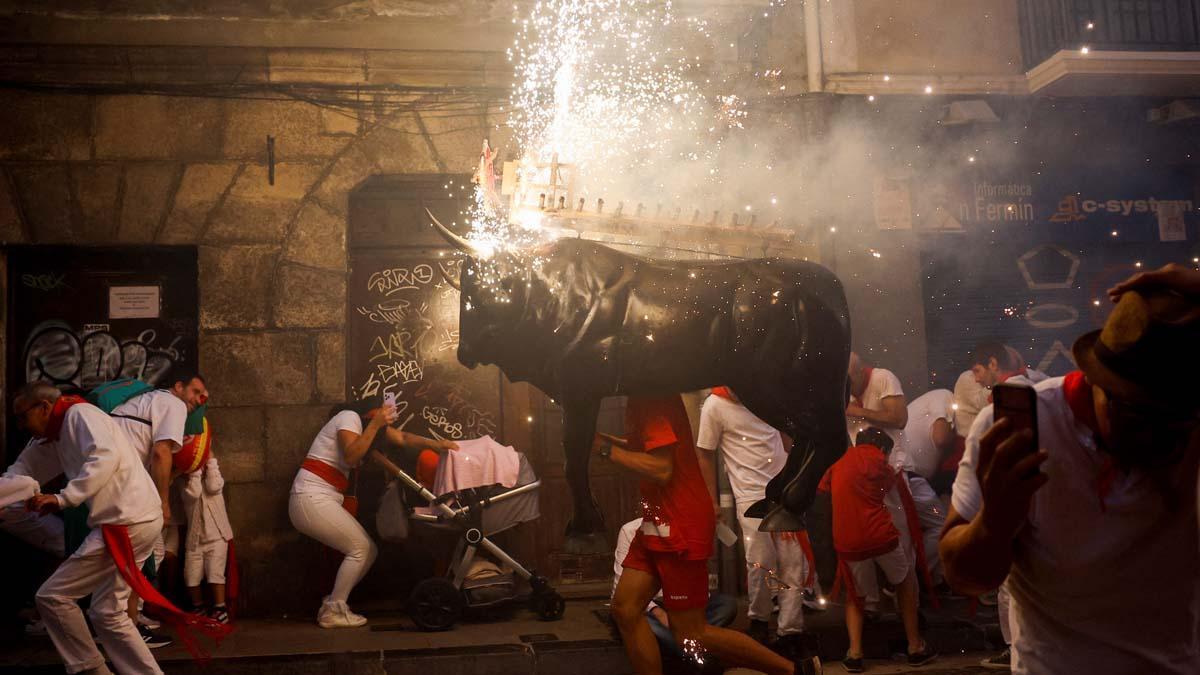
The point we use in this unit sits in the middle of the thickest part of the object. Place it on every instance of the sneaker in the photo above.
(35, 628)
(153, 640)
(853, 664)
(221, 615)
(926, 655)
(338, 615)
(146, 621)
(811, 600)
(1001, 661)
(759, 631)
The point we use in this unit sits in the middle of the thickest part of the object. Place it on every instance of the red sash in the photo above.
(116, 537)
(327, 473)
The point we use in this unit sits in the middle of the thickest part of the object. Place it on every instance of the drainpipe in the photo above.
(812, 45)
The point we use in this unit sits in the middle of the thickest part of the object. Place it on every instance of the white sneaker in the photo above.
(338, 615)
(36, 628)
(148, 622)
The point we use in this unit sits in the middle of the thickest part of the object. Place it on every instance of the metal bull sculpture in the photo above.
(591, 322)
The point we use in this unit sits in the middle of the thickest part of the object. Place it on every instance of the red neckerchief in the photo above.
(723, 392)
(1078, 393)
(866, 383)
(61, 406)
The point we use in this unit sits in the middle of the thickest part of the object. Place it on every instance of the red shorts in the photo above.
(684, 582)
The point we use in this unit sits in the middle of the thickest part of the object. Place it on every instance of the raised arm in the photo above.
(657, 465)
(893, 413)
(355, 446)
(403, 439)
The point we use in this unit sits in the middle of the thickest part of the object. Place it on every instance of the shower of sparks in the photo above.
(694, 651)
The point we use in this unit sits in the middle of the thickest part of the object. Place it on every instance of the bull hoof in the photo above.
(594, 543)
(782, 520)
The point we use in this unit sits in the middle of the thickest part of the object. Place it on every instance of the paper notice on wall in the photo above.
(1171, 226)
(133, 302)
(893, 204)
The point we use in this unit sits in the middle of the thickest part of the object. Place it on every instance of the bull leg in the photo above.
(585, 531)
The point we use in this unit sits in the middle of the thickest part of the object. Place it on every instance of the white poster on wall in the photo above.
(1171, 226)
(133, 302)
(893, 204)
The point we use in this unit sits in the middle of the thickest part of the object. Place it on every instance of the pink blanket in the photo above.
(477, 462)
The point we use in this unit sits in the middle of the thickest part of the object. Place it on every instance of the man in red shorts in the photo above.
(671, 549)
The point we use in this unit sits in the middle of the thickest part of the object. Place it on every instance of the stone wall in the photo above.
(136, 169)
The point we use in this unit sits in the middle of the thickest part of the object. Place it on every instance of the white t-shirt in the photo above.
(624, 541)
(917, 451)
(1097, 587)
(166, 414)
(883, 384)
(753, 449)
(970, 397)
(325, 448)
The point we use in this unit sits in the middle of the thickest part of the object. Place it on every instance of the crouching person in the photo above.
(672, 546)
(209, 534)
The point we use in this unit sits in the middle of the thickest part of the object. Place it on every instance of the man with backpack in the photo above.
(154, 421)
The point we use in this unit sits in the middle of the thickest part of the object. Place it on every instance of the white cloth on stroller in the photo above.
(478, 462)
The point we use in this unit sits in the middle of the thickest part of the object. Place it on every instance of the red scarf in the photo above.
(866, 382)
(116, 537)
(723, 392)
(1078, 393)
(61, 406)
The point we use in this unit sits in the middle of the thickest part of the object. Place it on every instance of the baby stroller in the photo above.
(477, 513)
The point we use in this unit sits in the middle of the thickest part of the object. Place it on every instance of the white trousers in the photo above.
(322, 517)
(205, 561)
(91, 571)
(1002, 603)
(784, 558)
(932, 515)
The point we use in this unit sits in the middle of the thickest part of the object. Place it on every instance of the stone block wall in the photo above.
(273, 263)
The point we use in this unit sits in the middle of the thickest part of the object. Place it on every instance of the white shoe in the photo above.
(35, 628)
(148, 622)
(338, 615)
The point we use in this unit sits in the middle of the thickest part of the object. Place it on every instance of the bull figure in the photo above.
(591, 322)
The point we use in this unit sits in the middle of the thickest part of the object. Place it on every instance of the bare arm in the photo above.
(355, 446)
(976, 560)
(1174, 276)
(161, 463)
(893, 413)
(943, 436)
(403, 439)
(707, 459)
(657, 466)
(979, 553)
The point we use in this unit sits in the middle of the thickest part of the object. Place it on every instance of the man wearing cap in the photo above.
(1101, 565)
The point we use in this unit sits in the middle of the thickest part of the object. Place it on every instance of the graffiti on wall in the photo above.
(87, 356)
(406, 320)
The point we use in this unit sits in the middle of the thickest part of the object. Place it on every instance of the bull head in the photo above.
(492, 290)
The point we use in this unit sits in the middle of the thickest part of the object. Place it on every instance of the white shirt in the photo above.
(325, 448)
(917, 451)
(166, 414)
(753, 449)
(970, 397)
(624, 541)
(102, 468)
(1095, 590)
(883, 384)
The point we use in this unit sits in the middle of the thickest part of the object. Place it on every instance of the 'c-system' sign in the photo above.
(1073, 209)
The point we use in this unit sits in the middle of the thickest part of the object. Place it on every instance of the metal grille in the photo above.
(1048, 26)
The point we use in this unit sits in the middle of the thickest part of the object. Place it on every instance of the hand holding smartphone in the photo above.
(389, 405)
(1018, 404)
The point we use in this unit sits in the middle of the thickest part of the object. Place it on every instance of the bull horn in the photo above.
(456, 240)
(450, 280)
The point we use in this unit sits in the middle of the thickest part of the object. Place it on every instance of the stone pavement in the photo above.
(511, 641)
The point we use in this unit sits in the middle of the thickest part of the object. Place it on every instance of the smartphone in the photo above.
(1018, 404)
(389, 398)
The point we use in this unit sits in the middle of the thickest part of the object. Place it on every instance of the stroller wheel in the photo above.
(549, 606)
(435, 604)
